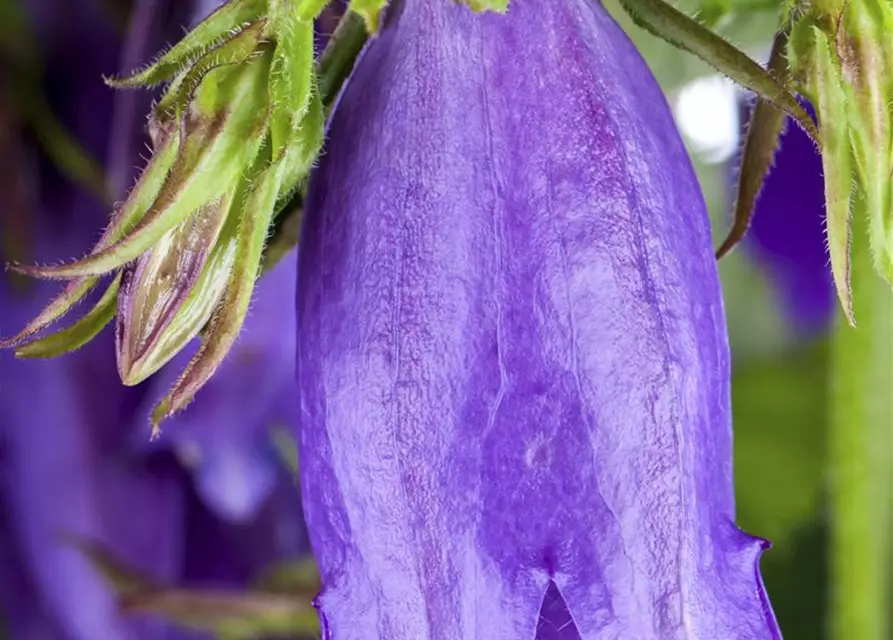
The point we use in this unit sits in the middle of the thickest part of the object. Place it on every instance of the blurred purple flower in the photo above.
(787, 232)
(67, 461)
(63, 473)
(512, 357)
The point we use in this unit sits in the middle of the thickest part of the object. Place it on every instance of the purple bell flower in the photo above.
(787, 232)
(512, 355)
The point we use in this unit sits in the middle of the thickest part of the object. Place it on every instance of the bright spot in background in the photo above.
(706, 112)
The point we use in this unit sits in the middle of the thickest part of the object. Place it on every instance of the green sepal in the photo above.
(255, 218)
(837, 164)
(77, 335)
(219, 26)
(303, 148)
(212, 158)
(763, 133)
(292, 74)
(865, 52)
(174, 290)
(370, 10)
(299, 160)
(498, 6)
(683, 32)
(234, 51)
(134, 208)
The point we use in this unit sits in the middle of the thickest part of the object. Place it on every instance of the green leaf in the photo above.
(763, 133)
(212, 159)
(78, 334)
(836, 165)
(134, 208)
(226, 324)
(219, 26)
(370, 10)
(670, 24)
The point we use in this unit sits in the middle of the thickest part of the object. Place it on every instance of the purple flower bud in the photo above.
(512, 354)
(787, 232)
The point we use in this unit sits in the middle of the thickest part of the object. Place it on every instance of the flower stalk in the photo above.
(861, 452)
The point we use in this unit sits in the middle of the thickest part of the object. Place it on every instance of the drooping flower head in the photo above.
(512, 356)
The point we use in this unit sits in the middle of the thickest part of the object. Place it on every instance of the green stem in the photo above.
(861, 453)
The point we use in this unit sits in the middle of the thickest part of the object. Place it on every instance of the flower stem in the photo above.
(861, 453)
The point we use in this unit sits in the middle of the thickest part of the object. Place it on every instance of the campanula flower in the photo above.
(512, 354)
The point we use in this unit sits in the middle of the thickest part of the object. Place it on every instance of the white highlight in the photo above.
(706, 111)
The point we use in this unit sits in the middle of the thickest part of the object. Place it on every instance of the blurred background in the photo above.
(213, 507)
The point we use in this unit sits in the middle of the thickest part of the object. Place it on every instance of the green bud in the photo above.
(255, 217)
(170, 292)
(235, 135)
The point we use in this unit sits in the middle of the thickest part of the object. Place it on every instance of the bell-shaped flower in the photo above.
(512, 355)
